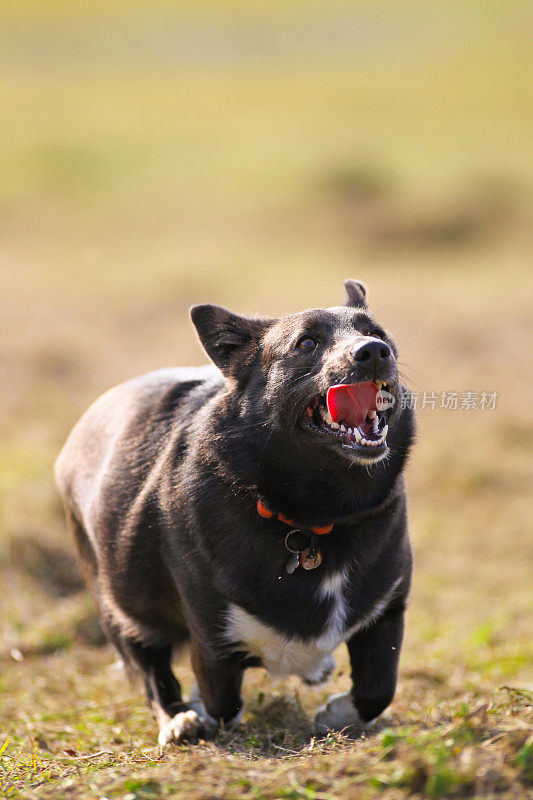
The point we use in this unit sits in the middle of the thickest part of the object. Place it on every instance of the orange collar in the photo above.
(309, 557)
(265, 512)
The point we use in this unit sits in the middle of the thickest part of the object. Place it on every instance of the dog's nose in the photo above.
(371, 354)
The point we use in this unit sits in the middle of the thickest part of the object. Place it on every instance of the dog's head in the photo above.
(323, 377)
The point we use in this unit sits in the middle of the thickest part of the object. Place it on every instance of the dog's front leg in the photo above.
(219, 679)
(176, 719)
(374, 655)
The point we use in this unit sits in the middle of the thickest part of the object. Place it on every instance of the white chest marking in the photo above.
(289, 655)
(279, 653)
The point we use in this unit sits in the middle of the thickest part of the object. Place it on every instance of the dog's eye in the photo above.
(306, 343)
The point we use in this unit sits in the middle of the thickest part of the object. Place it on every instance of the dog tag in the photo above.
(311, 558)
(292, 563)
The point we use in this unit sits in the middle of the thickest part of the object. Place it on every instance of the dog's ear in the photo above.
(355, 294)
(230, 341)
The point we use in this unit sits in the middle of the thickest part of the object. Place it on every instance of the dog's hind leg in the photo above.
(176, 719)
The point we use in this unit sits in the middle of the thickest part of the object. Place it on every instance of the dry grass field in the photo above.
(157, 155)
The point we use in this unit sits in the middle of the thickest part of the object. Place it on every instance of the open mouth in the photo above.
(353, 413)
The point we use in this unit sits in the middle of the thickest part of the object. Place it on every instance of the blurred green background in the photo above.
(155, 155)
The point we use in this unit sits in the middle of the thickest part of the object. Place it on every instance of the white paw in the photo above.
(184, 724)
(234, 721)
(206, 719)
(339, 713)
(209, 723)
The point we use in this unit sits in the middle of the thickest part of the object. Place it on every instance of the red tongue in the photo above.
(350, 402)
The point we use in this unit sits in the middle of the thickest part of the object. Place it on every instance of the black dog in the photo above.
(256, 507)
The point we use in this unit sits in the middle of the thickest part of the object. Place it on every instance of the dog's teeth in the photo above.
(385, 431)
(363, 440)
(372, 415)
(328, 418)
(357, 434)
(334, 425)
(343, 429)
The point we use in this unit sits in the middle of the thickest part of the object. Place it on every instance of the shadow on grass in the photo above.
(68, 617)
(281, 729)
(54, 569)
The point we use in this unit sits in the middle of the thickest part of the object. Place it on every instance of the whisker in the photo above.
(407, 379)
(409, 366)
(295, 301)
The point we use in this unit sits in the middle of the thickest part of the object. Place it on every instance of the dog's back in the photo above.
(136, 414)
(105, 474)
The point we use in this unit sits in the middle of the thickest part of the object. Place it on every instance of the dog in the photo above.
(255, 507)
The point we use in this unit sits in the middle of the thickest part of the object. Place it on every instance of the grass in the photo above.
(463, 743)
(255, 155)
